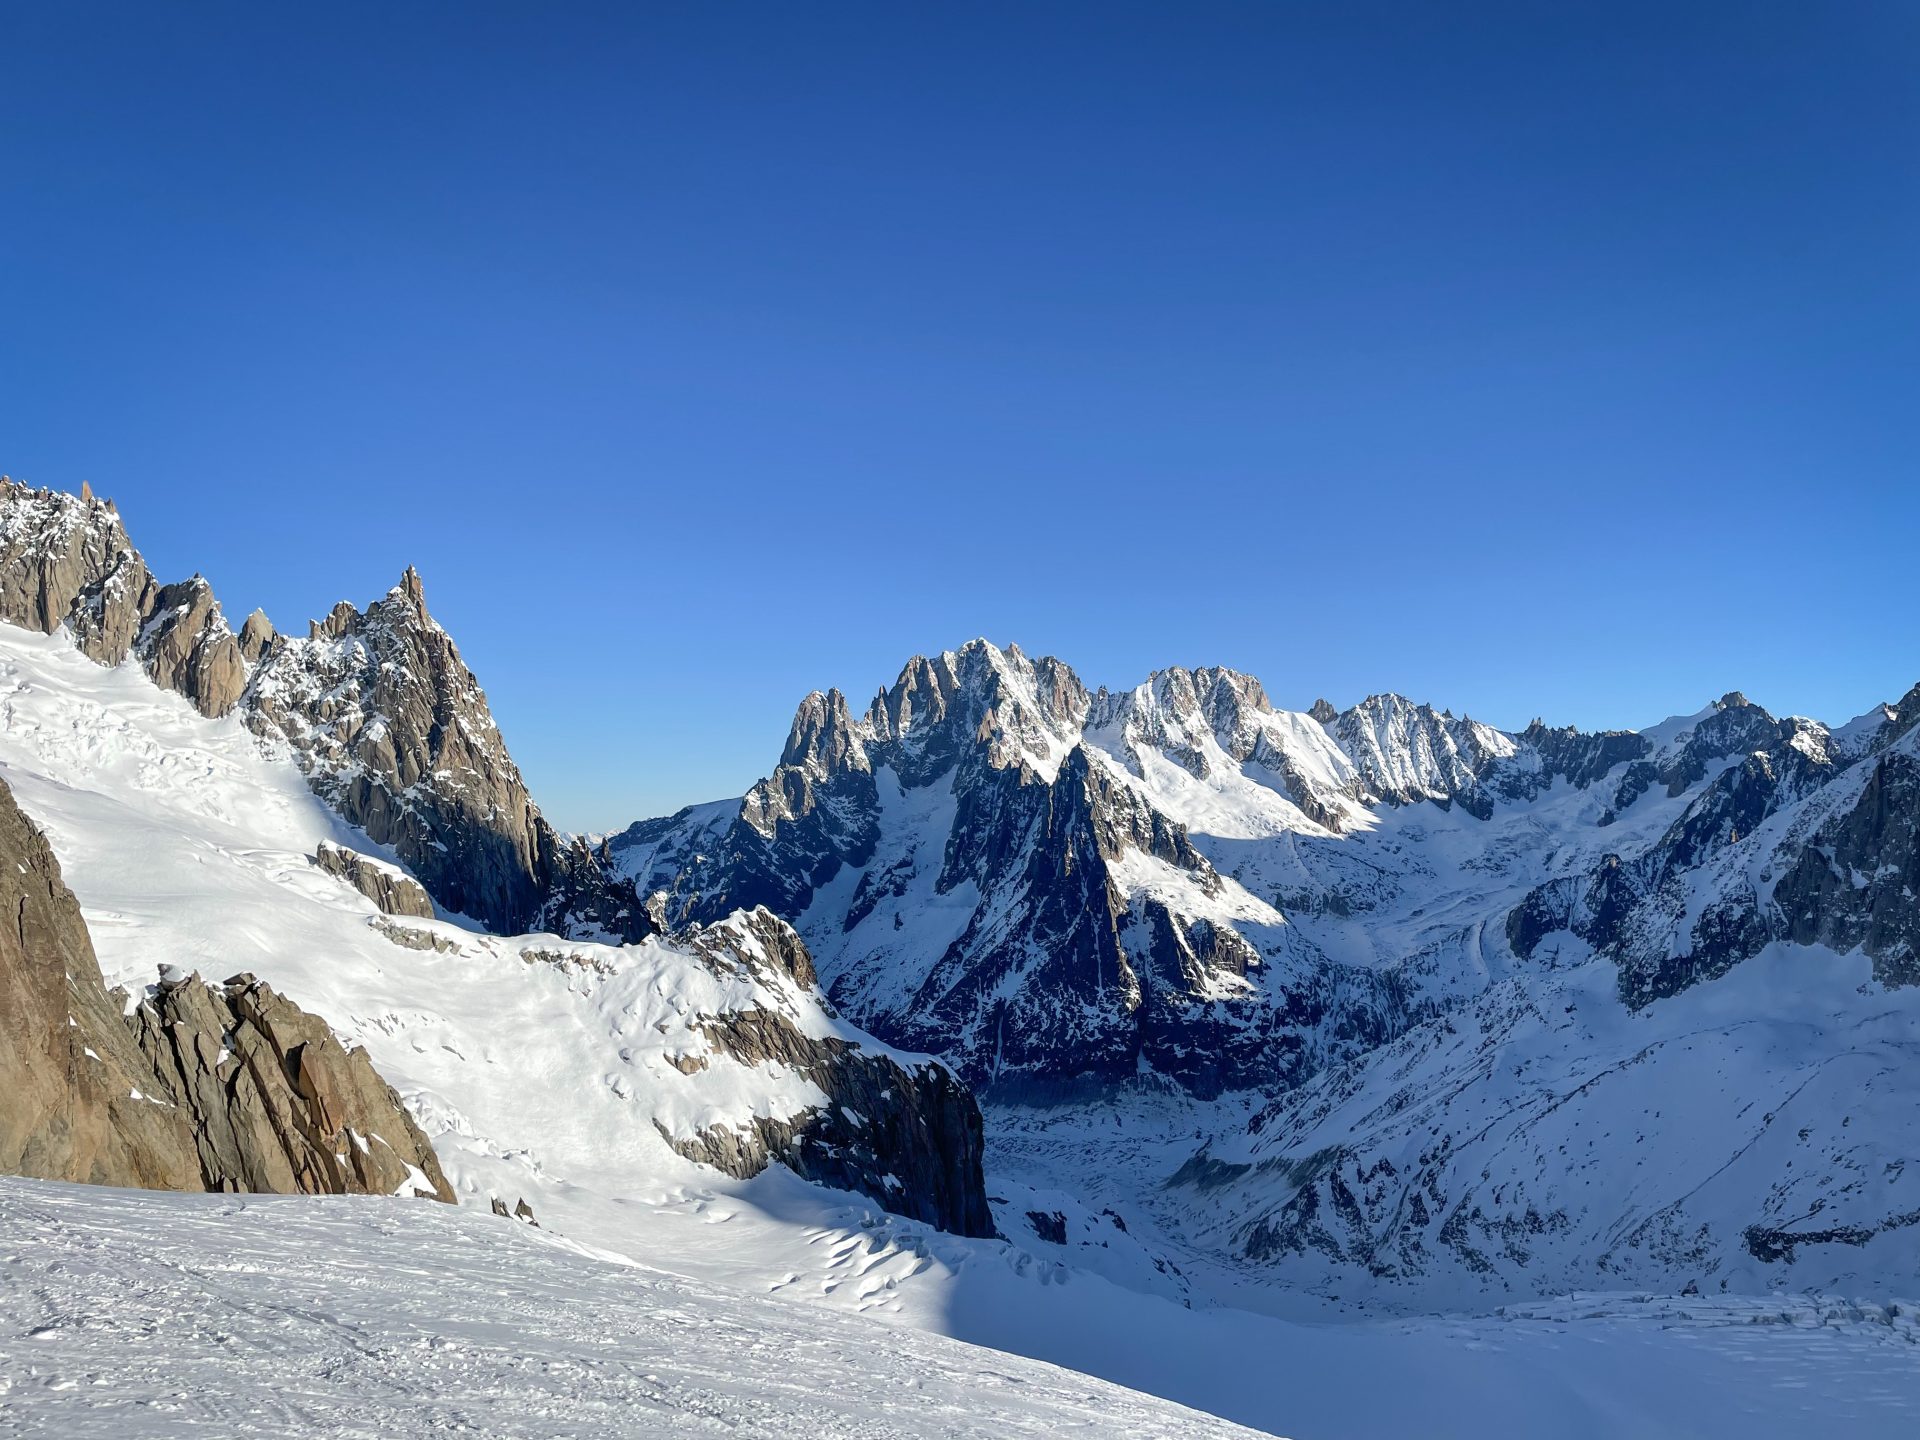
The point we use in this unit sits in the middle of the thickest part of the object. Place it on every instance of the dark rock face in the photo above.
(1061, 978)
(78, 1100)
(1579, 757)
(274, 1102)
(235, 1090)
(910, 1137)
(1796, 841)
(394, 733)
(393, 892)
(1858, 882)
(65, 559)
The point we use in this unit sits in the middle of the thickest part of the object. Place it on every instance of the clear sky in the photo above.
(1530, 359)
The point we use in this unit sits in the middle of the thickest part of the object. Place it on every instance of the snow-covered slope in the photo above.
(134, 1313)
(578, 1075)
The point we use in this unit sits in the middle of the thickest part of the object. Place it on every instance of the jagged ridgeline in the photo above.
(1059, 888)
(389, 726)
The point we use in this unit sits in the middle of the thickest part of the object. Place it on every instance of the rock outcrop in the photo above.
(901, 1129)
(187, 647)
(255, 636)
(392, 890)
(78, 1100)
(231, 1090)
(275, 1103)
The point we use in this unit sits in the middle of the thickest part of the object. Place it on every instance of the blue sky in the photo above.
(1528, 359)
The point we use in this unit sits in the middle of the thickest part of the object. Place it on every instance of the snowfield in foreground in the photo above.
(127, 1313)
(139, 1313)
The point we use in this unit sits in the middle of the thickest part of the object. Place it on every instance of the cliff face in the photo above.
(78, 1100)
(235, 1089)
(274, 1102)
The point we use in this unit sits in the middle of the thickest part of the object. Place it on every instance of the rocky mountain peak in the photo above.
(1322, 710)
(255, 636)
(1020, 712)
(394, 731)
(66, 560)
(1406, 752)
(824, 737)
(413, 591)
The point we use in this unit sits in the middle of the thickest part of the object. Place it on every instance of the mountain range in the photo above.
(1202, 996)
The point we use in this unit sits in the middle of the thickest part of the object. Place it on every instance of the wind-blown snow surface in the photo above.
(126, 1313)
(543, 1078)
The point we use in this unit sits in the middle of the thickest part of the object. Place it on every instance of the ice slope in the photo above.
(125, 1312)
